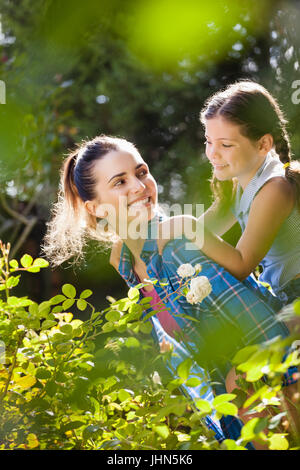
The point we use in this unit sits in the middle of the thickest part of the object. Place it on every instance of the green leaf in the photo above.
(123, 395)
(203, 405)
(26, 261)
(146, 327)
(40, 263)
(18, 301)
(183, 369)
(12, 281)
(261, 425)
(133, 294)
(85, 294)
(248, 430)
(14, 263)
(26, 382)
(113, 315)
(33, 308)
(132, 342)
(44, 309)
(66, 329)
(72, 425)
(232, 445)
(69, 290)
(51, 388)
(278, 442)
(162, 431)
(42, 373)
(67, 304)
(57, 299)
(33, 269)
(227, 409)
(193, 382)
(47, 324)
(225, 397)
(244, 354)
(81, 304)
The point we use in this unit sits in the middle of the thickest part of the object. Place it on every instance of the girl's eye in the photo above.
(143, 173)
(227, 146)
(206, 142)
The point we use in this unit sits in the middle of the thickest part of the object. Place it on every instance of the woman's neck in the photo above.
(135, 246)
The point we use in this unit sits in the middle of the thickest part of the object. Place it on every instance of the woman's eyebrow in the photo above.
(124, 172)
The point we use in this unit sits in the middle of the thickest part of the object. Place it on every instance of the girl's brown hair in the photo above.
(71, 226)
(257, 112)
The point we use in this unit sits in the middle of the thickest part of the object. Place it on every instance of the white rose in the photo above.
(198, 267)
(156, 378)
(185, 270)
(200, 288)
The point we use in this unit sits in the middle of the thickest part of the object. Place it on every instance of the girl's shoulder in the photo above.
(279, 190)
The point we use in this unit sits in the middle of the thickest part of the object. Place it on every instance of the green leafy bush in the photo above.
(101, 383)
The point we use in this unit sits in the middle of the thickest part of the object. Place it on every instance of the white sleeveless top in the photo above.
(282, 262)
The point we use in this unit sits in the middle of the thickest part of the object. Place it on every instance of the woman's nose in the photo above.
(137, 185)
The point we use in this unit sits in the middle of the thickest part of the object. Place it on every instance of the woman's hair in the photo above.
(257, 112)
(71, 225)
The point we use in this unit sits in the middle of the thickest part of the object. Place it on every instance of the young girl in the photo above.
(256, 183)
(106, 178)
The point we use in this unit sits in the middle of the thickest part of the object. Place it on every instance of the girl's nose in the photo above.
(212, 152)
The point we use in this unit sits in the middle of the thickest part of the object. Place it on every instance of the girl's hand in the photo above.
(174, 227)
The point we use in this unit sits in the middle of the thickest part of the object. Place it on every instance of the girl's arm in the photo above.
(269, 209)
(218, 219)
(215, 218)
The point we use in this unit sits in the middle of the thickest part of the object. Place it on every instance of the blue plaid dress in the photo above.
(233, 316)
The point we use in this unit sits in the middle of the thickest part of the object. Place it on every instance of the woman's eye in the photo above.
(143, 173)
(119, 183)
(227, 146)
(206, 142)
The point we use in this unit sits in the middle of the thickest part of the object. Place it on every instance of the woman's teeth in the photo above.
(141, 202)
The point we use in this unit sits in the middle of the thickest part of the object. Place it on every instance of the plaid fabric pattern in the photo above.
(234, 315)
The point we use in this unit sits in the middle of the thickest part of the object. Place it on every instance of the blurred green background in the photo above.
(140, 69)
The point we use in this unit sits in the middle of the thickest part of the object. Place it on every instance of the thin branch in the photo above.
(23, 237)
(12, 212)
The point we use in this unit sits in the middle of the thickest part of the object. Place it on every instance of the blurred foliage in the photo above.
(140, 70)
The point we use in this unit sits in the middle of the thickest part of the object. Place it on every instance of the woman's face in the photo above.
(125, 189)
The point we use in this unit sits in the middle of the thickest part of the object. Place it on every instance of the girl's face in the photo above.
(231, 153)
(125, 189)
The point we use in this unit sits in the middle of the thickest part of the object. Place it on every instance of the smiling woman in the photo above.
(107, 179)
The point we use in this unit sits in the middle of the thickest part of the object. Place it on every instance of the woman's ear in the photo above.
(90, 207)
(96, 209)
(265, 144)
